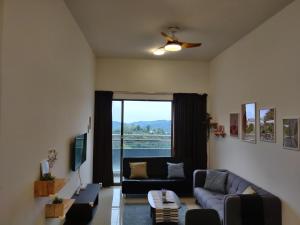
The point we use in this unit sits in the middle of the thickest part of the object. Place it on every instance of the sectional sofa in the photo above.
(229, 204)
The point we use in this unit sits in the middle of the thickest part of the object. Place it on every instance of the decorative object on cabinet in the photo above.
(213, 125)
(207, 124)
(45, 170)
(291, 133)
(234, 125)
(267, 125)
(249, 122)
(52, 157)
(220, 131)
(48, 184)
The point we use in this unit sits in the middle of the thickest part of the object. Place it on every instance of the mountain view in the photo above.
(144, 127)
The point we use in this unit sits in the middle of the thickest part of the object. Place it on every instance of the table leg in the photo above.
(152, 214)
(153, 217)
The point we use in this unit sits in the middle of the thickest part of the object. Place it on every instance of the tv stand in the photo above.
(84, 207)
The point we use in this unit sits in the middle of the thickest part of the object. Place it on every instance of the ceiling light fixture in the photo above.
(159, 51)
(173, 46)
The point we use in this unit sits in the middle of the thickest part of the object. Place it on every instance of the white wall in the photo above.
(1, 23)
(262, 67)
(47, 94)
(152, 76)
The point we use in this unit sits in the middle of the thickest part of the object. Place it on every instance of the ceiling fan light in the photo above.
(159, 51)
(173, 47)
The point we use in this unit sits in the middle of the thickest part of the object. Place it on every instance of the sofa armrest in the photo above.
(199, 177)
(272, 210)
(205, 216)
(232, 210)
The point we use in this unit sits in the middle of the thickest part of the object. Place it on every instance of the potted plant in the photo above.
(48, 184)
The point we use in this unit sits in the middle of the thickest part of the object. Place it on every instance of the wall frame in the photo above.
(248, 118)
(234, 124)
(267, 124)
(290, 133)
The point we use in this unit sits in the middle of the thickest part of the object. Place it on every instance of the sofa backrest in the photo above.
(236, 185)
(156, 166)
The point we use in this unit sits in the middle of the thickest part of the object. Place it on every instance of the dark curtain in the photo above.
(102, 158)
(190, 130)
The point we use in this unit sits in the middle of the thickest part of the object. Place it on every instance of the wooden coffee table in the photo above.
(162, 212)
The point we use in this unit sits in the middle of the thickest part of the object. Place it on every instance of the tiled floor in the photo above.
(111, 202)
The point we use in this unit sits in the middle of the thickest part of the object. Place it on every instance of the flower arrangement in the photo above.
(49, 163)
(52, 157)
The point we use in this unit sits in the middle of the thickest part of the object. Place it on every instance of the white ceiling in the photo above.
(131, 28)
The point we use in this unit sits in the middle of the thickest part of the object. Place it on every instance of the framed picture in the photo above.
(234, 125)
(267, 129)
(291, 133)
(249, 122)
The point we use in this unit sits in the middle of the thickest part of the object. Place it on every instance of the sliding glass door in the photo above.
(140, 129)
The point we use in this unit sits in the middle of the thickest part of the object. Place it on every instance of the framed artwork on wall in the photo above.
(291, 133)
(267, 125)
(249, 122)
(234, 125)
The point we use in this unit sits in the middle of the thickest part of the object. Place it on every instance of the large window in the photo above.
(140, 129)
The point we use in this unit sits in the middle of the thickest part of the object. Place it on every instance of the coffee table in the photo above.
(162, 212)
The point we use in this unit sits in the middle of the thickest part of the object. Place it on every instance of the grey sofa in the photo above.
(228, 205)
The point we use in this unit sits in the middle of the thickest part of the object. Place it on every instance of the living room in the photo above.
(49, 74)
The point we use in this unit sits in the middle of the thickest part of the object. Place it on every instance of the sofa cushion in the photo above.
(156, 166)
(249, 191)
(236, 184)
(175, 170)
(215, 181)
(138, 170)
(210, 199)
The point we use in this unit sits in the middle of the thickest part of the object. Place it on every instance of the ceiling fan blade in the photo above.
(167, 37)
(190, 45)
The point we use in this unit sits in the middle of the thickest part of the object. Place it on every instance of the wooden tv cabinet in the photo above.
(84, 207)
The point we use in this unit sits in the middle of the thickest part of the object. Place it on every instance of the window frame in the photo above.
(122, 100)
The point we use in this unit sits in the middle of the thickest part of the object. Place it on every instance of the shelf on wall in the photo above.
(43, 188)
(58, 210)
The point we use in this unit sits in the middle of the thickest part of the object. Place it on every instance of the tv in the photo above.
(78, 151)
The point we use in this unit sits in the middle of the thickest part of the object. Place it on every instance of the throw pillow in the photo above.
(138, 170)
(175, 170)
(215, 181)
(249, 191)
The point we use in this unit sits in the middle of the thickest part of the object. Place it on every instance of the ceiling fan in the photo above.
(173, 44)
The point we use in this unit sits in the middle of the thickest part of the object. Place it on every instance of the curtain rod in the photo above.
(143, 93)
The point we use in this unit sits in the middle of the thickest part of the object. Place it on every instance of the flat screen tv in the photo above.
(78, 155)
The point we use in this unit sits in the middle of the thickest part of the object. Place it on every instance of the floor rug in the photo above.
(139, 214)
